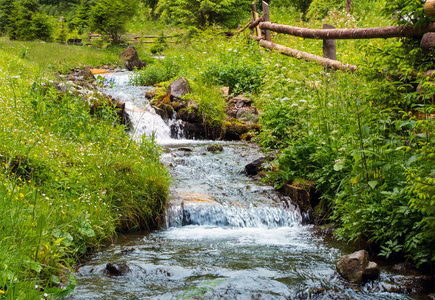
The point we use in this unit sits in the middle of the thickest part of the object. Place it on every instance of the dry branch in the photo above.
(355, 33)
(242, 29)
(307, 56)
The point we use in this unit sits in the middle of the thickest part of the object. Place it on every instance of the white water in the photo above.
(145, 121)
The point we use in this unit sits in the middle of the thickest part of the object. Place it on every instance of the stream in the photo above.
(227, 235)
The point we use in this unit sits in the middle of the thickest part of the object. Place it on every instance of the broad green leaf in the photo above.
(373, 184)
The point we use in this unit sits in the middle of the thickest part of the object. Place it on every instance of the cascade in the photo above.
(227, 236)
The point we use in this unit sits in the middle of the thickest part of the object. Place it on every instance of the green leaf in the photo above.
(86, 229)
(55, 279)
(373, 184)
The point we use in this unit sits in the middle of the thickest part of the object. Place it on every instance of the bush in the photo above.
(156, 72)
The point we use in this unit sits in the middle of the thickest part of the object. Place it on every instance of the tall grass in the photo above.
(69, 180)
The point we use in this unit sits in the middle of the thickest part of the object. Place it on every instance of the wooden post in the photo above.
(329, 46)
(255, 15)
(348, 5)
(266, 17)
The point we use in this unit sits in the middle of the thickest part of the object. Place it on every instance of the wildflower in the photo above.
(21, 195)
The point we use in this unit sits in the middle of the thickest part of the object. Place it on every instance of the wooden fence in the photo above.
(134, 39)
(261, 28)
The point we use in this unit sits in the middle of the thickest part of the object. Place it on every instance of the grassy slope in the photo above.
(68, 180)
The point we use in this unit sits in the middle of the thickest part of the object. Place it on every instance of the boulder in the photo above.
(179, 88)
(255, 166)
(371, 272)
(427, 43)
(131, 59)
(215, 148)
(351, 267)
(117, 269)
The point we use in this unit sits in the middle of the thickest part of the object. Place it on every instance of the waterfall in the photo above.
(144, 119)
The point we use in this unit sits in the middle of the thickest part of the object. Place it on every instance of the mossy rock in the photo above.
(215, 148)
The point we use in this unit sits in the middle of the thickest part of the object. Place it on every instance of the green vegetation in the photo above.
(69, 180)
(364, 138)
(110, 16)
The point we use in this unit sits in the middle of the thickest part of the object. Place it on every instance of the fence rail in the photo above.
(135, 39)
(261, 27)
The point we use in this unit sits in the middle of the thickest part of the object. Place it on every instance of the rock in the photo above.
(225, 91)
(215, 148)
(255, 166)
(127, 251)
(306, 197)
(162, 113)
(245, 114)
(241, 101)
(371, 272)
(427, 43)
(185, 149)
(98, 71)
(87, 74)
(196, 198)
(131, 59)
(420, 284)
(191, 103)
(429, 8)
(351, 267)
(150, 94)
(179, 88)
(117, 269)
(186, 115)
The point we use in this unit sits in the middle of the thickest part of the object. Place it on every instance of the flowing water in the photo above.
(227, 236)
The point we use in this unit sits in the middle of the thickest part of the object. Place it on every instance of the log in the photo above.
(257, 38)
(254, 24)
(355, 33)
(307, 56)
(242, 29)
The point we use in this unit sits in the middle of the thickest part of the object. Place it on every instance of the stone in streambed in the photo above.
(356, 267)
(215, 148)
(131, 59)
(178, 88)
(117, 269)
(254, 167)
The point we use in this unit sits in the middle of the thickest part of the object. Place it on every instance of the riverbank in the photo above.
(70, 180)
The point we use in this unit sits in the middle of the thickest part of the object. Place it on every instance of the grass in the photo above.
(69, 180)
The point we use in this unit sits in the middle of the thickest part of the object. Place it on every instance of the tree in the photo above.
(110, 16)
(82, 16)
(6, 9)
(28, 22)
(203, 12)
